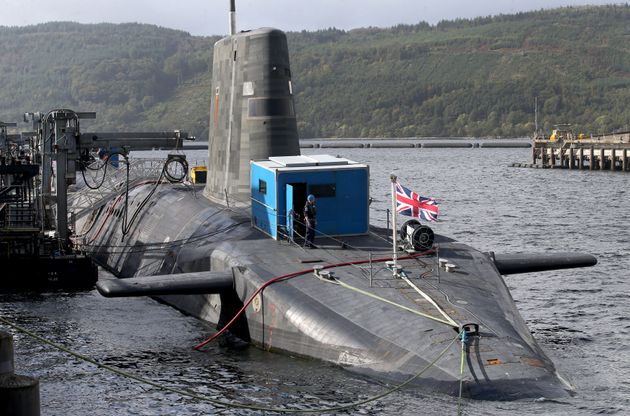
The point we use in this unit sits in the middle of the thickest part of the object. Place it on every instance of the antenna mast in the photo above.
(536, 116)
(232, 17)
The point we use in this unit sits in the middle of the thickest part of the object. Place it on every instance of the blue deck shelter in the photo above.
(280, 185)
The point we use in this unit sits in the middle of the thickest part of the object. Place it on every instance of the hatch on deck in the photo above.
(280, 185)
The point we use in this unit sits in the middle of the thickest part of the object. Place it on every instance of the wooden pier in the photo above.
(564, 150)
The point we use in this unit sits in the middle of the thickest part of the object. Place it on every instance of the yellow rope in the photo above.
(221, 402)
(428, 299)
(416, 312)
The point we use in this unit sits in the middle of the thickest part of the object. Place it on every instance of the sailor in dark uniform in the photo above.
(310, 215)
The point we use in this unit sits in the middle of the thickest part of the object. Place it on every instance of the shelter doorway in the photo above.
(296, 198)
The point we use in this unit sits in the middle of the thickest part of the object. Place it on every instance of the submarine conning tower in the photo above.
(252, 115)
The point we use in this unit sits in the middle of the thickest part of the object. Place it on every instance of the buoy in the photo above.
(19, 395)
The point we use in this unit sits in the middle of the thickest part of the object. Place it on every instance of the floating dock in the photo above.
(409, 144)
(564, 150)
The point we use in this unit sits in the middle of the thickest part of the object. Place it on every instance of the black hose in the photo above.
(104, 167)
(157, 247)
(102, 179)
(128, 223)
(181, 159)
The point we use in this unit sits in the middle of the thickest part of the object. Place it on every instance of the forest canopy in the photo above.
(467, 77)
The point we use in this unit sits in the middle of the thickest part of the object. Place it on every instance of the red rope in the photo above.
(290, 276)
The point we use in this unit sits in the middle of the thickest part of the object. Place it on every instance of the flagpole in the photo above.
(394, 228)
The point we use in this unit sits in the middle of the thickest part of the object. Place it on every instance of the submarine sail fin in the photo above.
(170, 284)
(528, 263)
(252, 115)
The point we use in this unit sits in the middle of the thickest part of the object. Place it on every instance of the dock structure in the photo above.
(564, 150)
(40, 199)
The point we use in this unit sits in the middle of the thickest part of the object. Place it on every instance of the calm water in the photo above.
(580, 317)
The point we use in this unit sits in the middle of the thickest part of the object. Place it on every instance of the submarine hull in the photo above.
(315, 318)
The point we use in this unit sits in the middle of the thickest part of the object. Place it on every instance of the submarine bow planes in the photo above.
(235, 257)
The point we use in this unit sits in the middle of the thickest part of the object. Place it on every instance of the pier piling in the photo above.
(534, 155)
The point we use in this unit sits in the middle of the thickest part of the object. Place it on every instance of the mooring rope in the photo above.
(461, 373)
(428, 298)
(398, 305)
(222, 403)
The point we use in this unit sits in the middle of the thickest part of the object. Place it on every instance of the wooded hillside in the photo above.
(457, 78)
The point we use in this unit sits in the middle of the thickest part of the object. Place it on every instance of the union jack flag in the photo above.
(413, 205)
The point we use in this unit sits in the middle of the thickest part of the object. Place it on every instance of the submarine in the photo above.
(230, 252)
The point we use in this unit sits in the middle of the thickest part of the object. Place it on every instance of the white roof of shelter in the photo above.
(314, 162)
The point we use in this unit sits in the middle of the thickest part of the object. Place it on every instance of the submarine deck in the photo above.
(345, 321)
